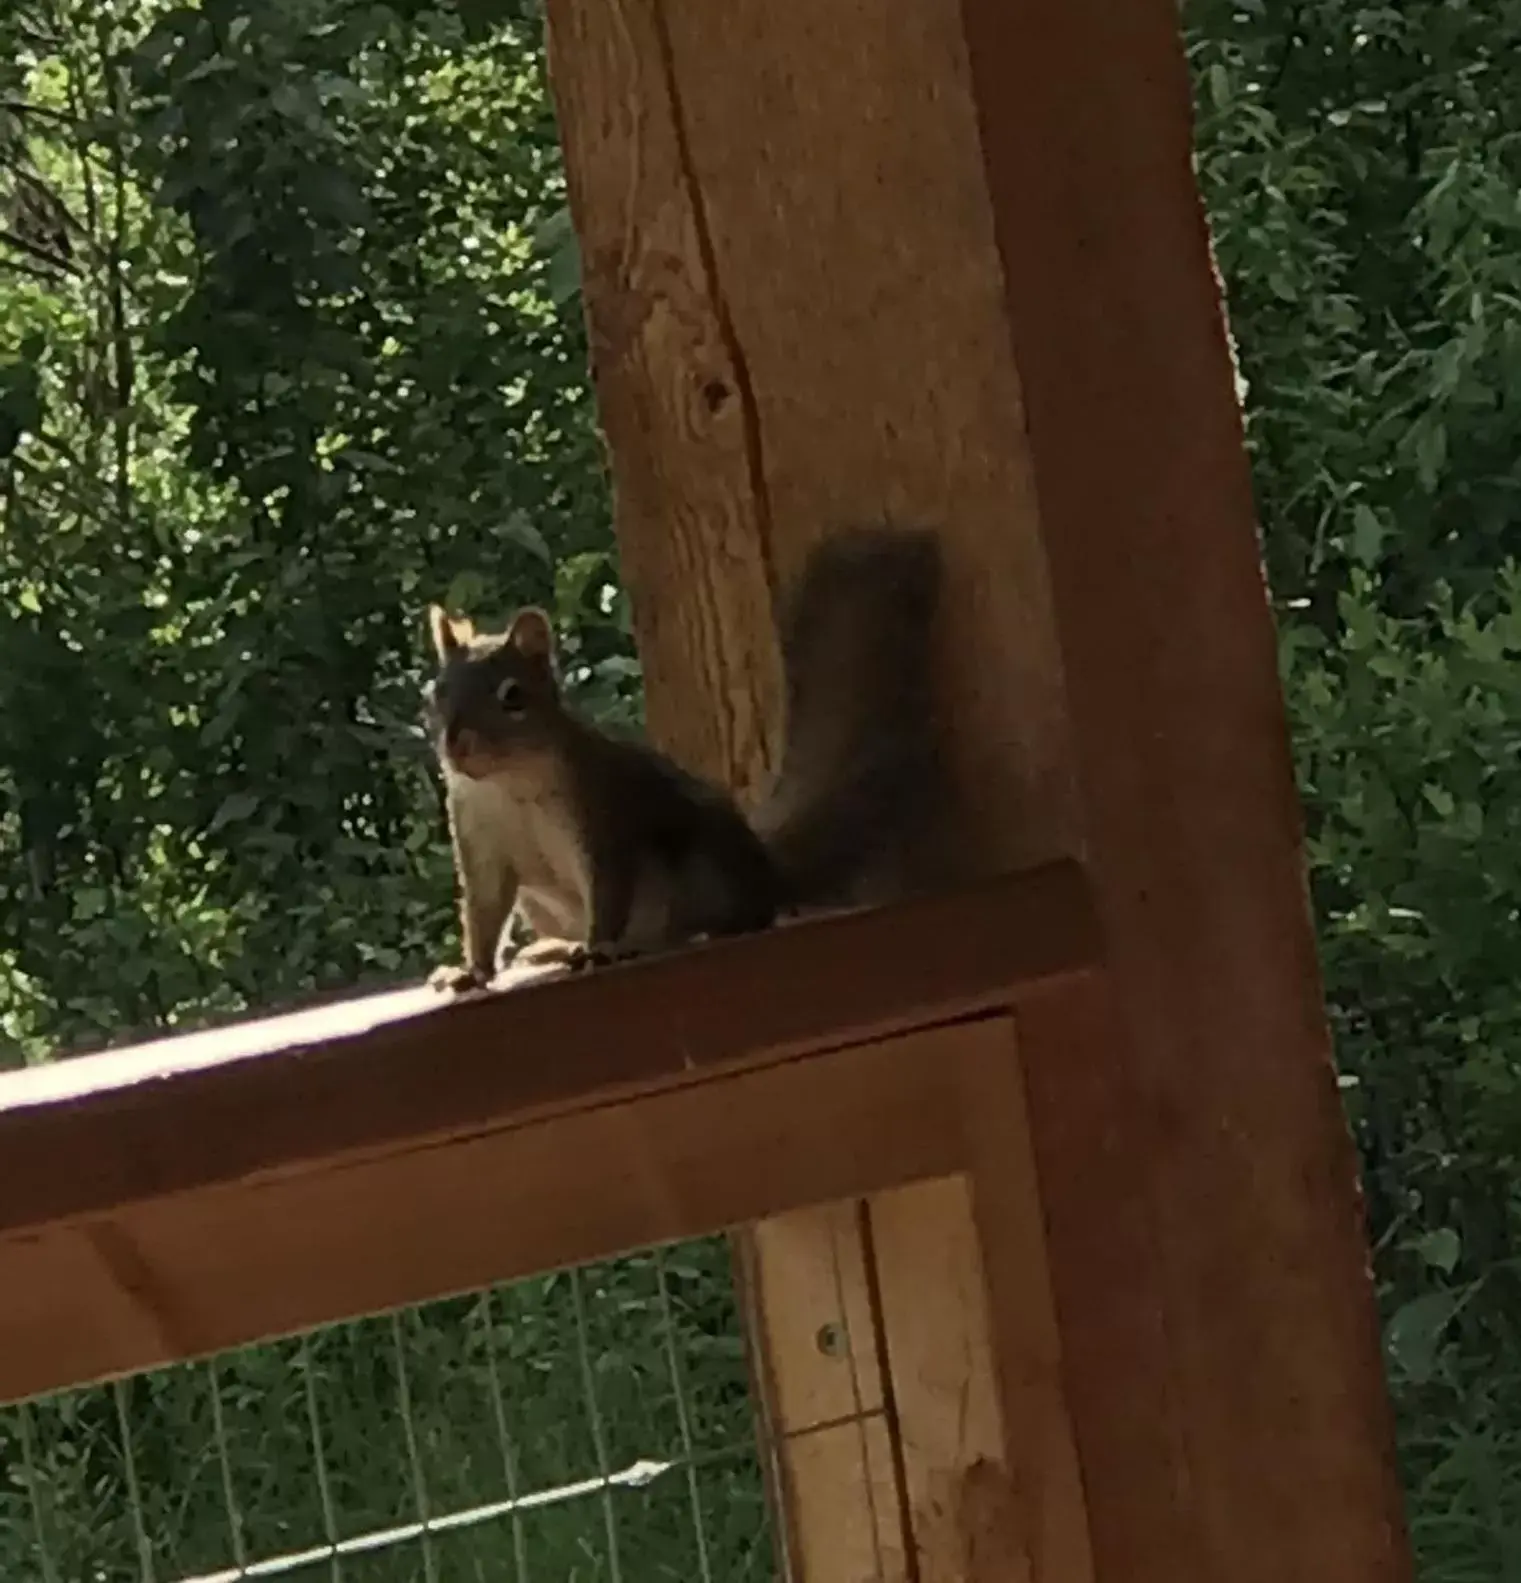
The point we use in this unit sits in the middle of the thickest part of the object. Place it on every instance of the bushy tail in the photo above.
(859, 778)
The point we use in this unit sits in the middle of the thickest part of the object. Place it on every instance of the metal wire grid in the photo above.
(590, 1425)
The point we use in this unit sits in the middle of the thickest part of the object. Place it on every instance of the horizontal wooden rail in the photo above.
(169, 1279)
(84, 1136)
(197, 1193)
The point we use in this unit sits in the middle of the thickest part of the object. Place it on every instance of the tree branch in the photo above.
(24, 107)
(32, 271)
(41, 254)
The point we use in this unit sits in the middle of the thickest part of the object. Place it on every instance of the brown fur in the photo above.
(607, 843)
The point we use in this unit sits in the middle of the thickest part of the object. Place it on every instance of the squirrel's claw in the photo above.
(453, 978)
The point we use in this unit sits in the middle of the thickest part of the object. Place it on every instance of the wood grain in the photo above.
(178, 1276)
(836, 151)
(795, 304)
(1028, 1489)
(1238, 1156)
(825, 1406)
(919, 274)
(926, 1284)
(671, 391)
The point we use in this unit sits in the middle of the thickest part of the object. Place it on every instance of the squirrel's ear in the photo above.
(448, 634)
(531, 634)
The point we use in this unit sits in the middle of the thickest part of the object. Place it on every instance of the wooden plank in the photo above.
(1237, 1151)
(1037, 1510)
(926, 1284)
(782, 345)
(672, 390)
(224, 1106)
(988, 307)
(739, 290)
(1113, 1308)
(196, 1271)
(838, 1505)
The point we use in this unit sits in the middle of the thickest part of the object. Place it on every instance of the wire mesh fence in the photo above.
(593, 1424)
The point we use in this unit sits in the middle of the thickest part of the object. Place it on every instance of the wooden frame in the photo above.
(1106, 1252)
(242, 1184)
(237, 1185)
(945, 262)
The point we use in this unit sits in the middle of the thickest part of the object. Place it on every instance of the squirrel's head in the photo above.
(495, 699)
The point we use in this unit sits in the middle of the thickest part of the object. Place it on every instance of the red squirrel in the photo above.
(607, 848)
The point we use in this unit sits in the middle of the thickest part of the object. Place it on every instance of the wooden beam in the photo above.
(838, 1507)
(226, 1106)
(1246, 1286)
(782, 345)
(163, 1279)
(876, 258)
(797, 320)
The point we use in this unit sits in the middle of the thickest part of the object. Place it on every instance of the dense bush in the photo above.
(1361, 169)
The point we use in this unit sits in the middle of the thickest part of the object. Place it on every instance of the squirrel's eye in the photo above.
(509, 694)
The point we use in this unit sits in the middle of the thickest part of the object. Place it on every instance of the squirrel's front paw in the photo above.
(454, 978)
(573, 955)
(548, 952)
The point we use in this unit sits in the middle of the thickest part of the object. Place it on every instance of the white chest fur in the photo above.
(523, 822)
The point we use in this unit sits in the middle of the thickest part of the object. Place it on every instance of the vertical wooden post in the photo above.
(945, 262)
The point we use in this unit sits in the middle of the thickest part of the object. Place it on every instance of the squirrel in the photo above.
(607, 848)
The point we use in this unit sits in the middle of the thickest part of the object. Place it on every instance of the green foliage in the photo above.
(290, 345)
(360, 1429)
(1360, 168)
(305, 374)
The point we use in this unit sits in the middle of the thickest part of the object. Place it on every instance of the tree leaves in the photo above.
(1360, 176)
(1440, 1248)
(1414, 1334)
(351, 390)
(1363, 198)
(556, 244)
(233, 809)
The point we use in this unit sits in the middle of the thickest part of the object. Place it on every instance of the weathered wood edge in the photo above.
(102, 1131)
